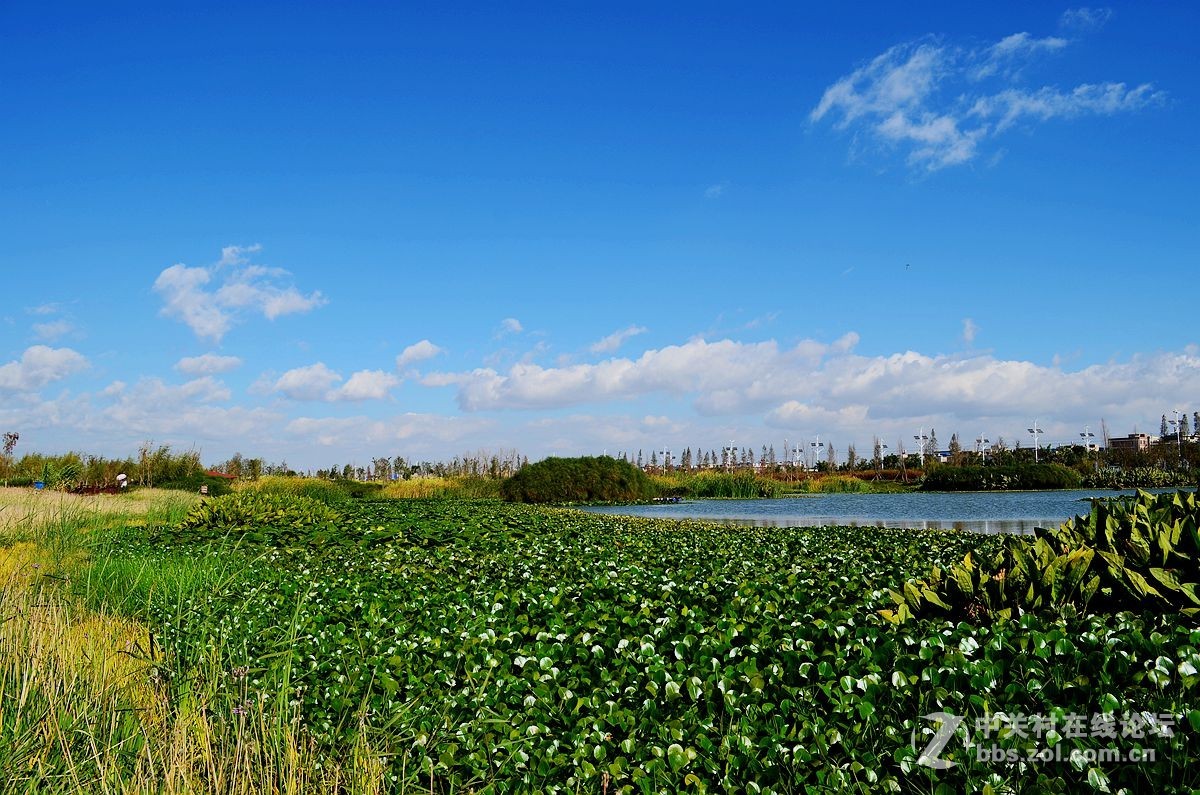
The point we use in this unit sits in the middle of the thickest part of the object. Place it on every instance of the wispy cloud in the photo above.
(1084, 19)
(53, 330)
(715, 191)
(418, 352)
(937, 103)
(211, 311)
(615, 340)
(969, 330)
(510, 325)
(207, 364)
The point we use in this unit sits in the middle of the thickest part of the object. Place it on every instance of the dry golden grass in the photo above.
(84, 705)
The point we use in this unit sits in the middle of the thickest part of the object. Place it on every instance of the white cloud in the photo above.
(1085, 19)
(970, 329)
(929, 100)
(312, 382)
(244, 288)
(365, 385)
(510, 325)
(615, 340)
(714, 191)
(696, 366)
(1010, 106)
(418, 352)
(38, 366)
(207, 364)
(53, 330)
(316, 382)
(417, 434)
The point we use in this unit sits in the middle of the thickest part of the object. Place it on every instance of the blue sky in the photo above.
(323, 233)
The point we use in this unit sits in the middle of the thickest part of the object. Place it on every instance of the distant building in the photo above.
(1136, 442)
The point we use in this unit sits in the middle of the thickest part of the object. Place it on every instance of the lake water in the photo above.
(979, 511)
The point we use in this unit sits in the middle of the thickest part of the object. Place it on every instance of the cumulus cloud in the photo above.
(38, 366)
(317, 382)
(418, 352)
(207, 364)
(615, 340)
(938, 103)
(366, 385)
(312, 382)
(211, 300)
(813, 386)
(510, 325)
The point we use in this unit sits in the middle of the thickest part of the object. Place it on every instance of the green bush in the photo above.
(1001, 478)
(586, 479)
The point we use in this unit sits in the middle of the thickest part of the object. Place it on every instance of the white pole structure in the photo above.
(921, 439)
(981, 446)
(815, 445)
(1178, 434)
(1035, 430)
(1087, 437)
(730, 463)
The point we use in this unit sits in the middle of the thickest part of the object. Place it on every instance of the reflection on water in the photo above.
(981, 512)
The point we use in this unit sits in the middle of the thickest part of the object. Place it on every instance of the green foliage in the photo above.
(996, 478)
(259, 516)
(839, 484)
(1140, 553)
(216, 486)
(739, 485)
(586, 479)
(510, 648)
(1138, 478)
(330, 492)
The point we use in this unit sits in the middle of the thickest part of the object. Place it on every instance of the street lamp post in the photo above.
(1034, 431)
(981, 444)
(1087, 437)
(1178, 434)
(921, 440)
(817, 444)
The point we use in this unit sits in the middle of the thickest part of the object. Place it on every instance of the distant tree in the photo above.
(771, 459)
(653, 459)
(830, 456)
(639, 459)
(956, 453)
(851, 458)
(933, 446)
(1163, 428)
(877, 454)
(1183, 425)
(254, 468)
(1196, 422)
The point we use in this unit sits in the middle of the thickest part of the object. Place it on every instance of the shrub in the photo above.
(1000, 478)
(586, 479)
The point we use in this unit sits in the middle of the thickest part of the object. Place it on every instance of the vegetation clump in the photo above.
(584, 479)
(257, 514)
(1139, 554)
(710, 485)
(1002, 478)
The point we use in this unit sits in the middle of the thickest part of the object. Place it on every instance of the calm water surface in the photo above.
(980, 511)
